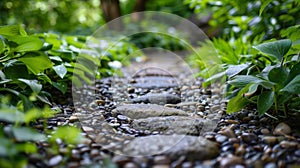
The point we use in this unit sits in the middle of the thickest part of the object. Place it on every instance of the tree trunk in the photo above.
(139, 6)
(111, 10)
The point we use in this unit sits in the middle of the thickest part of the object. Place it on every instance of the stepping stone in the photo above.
(171, 124)
(193, 147)
(152, 71)
(157, 98)
(136, 111)
(152, 82)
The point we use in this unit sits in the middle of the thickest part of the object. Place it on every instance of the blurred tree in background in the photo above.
(58, 15)
(78, 16)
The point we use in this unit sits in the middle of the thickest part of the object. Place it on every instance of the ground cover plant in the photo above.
(31, 68)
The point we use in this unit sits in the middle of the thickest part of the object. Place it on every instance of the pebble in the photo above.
(270, 139)
(270, 165)
(221, 138)
(227, 132)
(54, 161)
(230, 161)
(215, 108)
(130, 165)
(161, 166)
(265, 131)
(282, 129)
(88, 129)
(249, 137)
(161, 160)
(288, 144)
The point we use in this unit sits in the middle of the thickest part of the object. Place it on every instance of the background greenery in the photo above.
(255, 41)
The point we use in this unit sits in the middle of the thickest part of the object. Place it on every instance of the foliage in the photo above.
(253, 18)
(264, 87)
(31, 67)
(18, 139)
(62, 16)
(160, 35)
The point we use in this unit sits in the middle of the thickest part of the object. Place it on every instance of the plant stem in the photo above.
(269, 115)
(275, 100)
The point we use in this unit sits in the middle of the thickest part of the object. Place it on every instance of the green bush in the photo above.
(31, 66)
(249, 17)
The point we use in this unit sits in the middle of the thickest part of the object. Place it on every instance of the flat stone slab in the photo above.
(136, 111)
(152, 82)
(171, 124)
(157, 98)
(193, 147)
(152, 71)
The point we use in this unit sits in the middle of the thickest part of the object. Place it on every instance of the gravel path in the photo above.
(158, 115)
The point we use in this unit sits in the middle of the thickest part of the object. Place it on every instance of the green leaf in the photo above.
(27, 147)
(44, 77)
(27, 43)
(235, 69)
(27, 134)
(70, 135)
(252, 89)
(27, 104)
(15, 69)
(33, 84)
(294, 72)
(32, 115)
(60, 70)
(278, 75)
(12, 30)
(238, 102)
(243, 80)
(62, 86)
(293, 86)
(276, 49)
(36, 62)
(264, 5)
(264, 102)
(12, 115)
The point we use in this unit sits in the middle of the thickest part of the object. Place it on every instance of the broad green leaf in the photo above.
(293, 86)
(62, 86)
(12, 30)
(12, 115)
(43, 98)
(27, 134)
(44, 78)
(283, 97)
(238, 102)
(294, 72)
(264, 5)
(278, 75)
(264, 102)
(252, 89)
(27, 104)
(29, 43)
(15, 69)
(27, 147)
(36, 62)
(60, 70)
(7, 148)
(235, 69)
(276, 49)
(32, 115)
(243, 80)
(70, 135)
(46, 47)
(33, 84)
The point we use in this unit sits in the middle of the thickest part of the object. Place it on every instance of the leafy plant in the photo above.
(255, 18)
(276, 87)
(32, 67)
